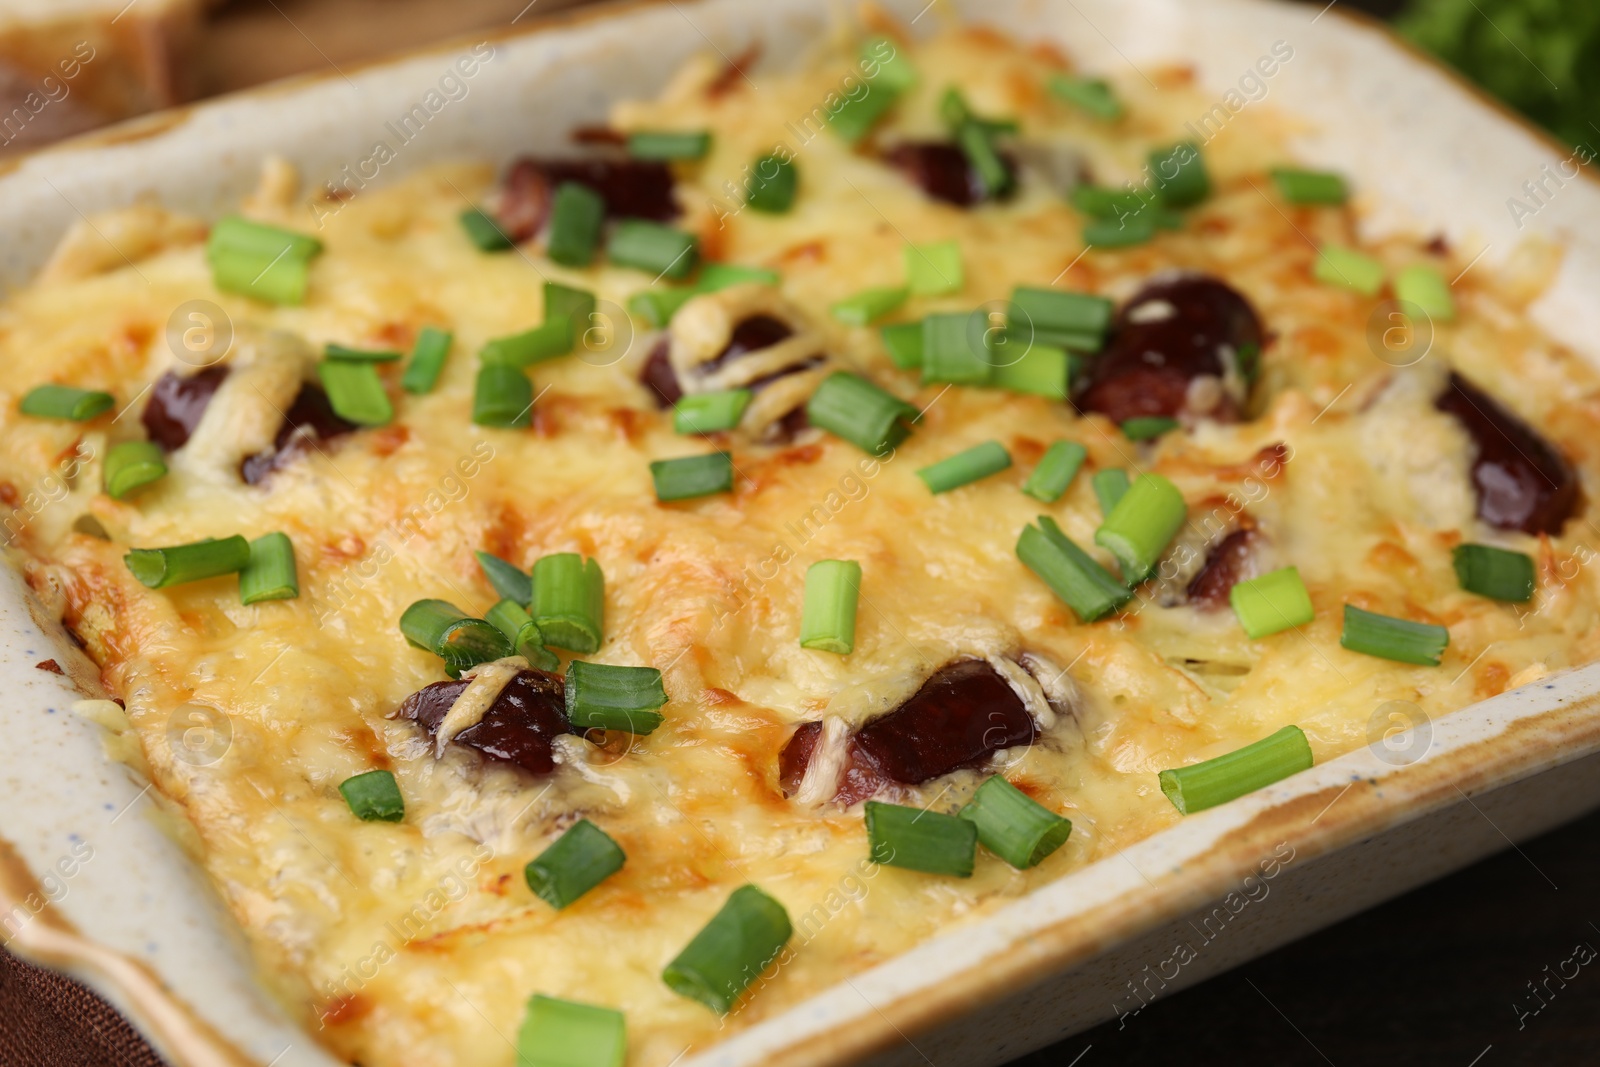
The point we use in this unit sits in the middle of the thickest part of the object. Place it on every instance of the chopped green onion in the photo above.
(133, 465)
(956, 112)
(772, 186)
(545, 341)
(976, 141)
(1274, 602)
(853, 408)
(1494, 572)
(1389, 638)
(1425, 287)
(716, 276)
(601, 696)
(1310, 186)
(710, 412)
(569, 595)
(1180, 173)
(897, 74)
(657, 305)
(869, 304)
(483, 231)
(260, 261)
(569, 307)
(440, 627)
(427, 360)
(579, 860)
(270, 574)
(852, 118)
(1058, 317)
(692, 476)
(964, 468)
(1147, 427)
(1043, 370)
(333, 350)
(257, 238)
(1055, 471)
(918, 840)
(1110, 486)
(502, 397)
(669, 144)
(355, 392)
(564, 1033)
(374, 797)
(828, 618)
(65, 402)
(509, 580)
(654, 248)
(1013, 825)
(1085, 586)
(951, 354)
(1217, 781)
(1348, 269)
(509, 617)
(934, 269)
(1141, 525)
(576, 215)
(1091, 94)
(1099, 202)
(730, 951)
(158, 568)
(1114, 233)
(904, 342)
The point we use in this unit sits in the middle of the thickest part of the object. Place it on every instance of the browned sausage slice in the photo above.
(177, 404)
(519, 728)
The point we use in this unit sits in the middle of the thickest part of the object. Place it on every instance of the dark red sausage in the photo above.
(796, 756)
(519, 727)
(631, 188)
(941, 170)
(310, 419)
(177, 403)
(1523, 483)
(1173, 331)
(659, 377)
(750, 335)
(1226, 565)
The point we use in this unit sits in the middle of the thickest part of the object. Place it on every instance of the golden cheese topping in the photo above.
(418, 943)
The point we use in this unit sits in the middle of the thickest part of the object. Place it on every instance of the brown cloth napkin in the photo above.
(47, 1020)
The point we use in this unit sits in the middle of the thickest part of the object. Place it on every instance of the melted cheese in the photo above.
(417, 944)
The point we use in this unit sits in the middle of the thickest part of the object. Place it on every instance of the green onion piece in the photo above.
(904, 342)
(828, 619)
(545, 341)
(934, 269)
(1090, 94)
(918, 840)
(657, 305)
(773, 183)
(1013, 825)
(1310, 186)
(869, 304)
(374, 797)
(1114, 233)
(1348, 269)
(731, 951)
(1099, 202)
(964, 468)
(1147, 427)
(332, 350)
(260, 261)
(568, 307)
(483, 231)
(710, 412)
(1055, 471)
(579, 860)
(65, 402)
(1141, 525)
(1217, 781)
(951, 354)
(976, 141)
(158, 568)
(1043, 370)
(426, 623)
(509, 617)
(1054, 315)
(509, 580)
(1274, 602)
(576, 215)
(1180, 173)
(895, 73)
(564, 1033)
(956, 112)
(1085, 586)
(669, 144)
(692, 476)
(502, 397)
(716, 276)
(569, 595)
(601, 696)
(654, 248)
(853, 408)
(270, 574)
(1110, 486)
(1389, 638)
(854, 117)
(133, 465)
(355, 392)
(440, 627)
(1494, 572)
(427, 360)
(1425, 287)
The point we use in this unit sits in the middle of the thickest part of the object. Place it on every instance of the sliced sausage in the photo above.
(1226, 565)
(941, 170)
(658, 376)
(631, 188)
(310, 419)
(177, 404)
(519, 728)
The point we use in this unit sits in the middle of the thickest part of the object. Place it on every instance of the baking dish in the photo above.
(1101, 920)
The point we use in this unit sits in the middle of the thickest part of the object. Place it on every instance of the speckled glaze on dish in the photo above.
(93, 879)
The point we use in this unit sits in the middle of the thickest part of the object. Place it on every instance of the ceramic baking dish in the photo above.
(92, 878)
